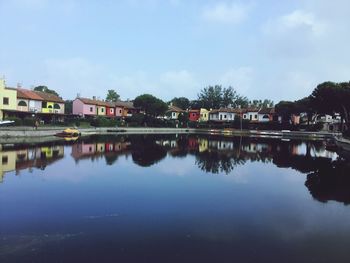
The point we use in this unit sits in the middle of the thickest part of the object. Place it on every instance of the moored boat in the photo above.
(68, 133)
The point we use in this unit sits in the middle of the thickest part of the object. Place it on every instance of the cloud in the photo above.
(228, 13)
(298, 20)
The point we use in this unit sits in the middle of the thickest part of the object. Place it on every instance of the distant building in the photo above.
(193, 115)
(8, 99)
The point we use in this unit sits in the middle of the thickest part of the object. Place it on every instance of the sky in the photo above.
(272, 49)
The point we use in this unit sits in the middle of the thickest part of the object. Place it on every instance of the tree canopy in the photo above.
(112, 96)
(46, 90)
(181, 102)
(213, 97)
(151, 105)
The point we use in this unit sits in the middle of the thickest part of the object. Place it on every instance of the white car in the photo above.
(6, 123)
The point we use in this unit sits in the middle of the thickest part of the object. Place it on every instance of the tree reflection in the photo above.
(146, 152)
(331, 181)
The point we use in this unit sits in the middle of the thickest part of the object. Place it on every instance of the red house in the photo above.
(193, 115)
(110, 109)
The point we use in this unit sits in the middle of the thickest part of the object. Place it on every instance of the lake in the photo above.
(174, 198)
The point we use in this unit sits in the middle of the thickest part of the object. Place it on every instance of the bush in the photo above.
(28, 121)
(18, 121)
(315, 127)
(103, 122)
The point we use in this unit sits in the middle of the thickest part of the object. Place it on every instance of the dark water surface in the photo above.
(178, 198)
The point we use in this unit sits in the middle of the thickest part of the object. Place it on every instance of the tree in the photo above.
(214, 97)
(261, 103)
(151, 105)
(112, 96)
(330, 97)
(68, 107)
(46, 90)
(181, 102)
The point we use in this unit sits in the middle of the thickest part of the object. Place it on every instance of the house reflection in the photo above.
(327, 172)
(34, 157)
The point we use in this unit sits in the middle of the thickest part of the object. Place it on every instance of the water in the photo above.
(175, 198)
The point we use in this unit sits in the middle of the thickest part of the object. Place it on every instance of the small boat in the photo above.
(69, 132)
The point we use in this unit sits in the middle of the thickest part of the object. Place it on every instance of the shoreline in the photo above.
(29, 135)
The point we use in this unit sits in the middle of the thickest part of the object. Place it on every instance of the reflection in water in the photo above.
(32, 157)
(235, 200)
(327, 173)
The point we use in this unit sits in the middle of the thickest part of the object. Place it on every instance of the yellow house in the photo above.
(204, 115)
(8, 99)
(7, 163)
(101, 110)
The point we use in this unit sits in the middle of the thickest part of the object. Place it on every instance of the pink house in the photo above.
(83, 107)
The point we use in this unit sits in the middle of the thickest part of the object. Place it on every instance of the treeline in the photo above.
(327, 98)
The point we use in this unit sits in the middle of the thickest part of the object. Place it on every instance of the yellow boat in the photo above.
(69, 132)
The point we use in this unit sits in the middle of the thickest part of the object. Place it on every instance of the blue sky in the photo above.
(264, 49)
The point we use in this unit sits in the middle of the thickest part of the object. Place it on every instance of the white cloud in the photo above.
(230, 13)
(298, 20)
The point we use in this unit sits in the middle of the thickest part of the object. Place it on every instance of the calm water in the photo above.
(174, 199)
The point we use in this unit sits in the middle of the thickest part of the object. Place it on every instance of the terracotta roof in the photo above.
(267, 111)
(173, 108)
(94, 102)
(252, 110)
(28, 94)
(125, 104)
(227, 110)
(49, 97)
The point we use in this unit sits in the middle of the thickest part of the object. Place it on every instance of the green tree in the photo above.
(181, 102)
(46, 90)
(330, 97)
(151, 105)
(215, 97)
(68, 107)
(112, 96)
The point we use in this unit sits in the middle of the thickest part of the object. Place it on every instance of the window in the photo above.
(44, 104)
(56, 106)
(50, 107)
(22, 103)
(225, 116)
(111, 110)
(5, 159)
(5, 101)
(91, 109)
(255, 116)
(102, 110)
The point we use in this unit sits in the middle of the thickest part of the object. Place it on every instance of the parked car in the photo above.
(6, 123)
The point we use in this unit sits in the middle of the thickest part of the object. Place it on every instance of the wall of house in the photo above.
(101, 110)
(119, 111)
(226, 116)
(23, 108)
(204, 115)
(12, 98)
(34, 106)
(262, 117)
(110, 111)
(252, 116)
(7, 162)
(193, 116)
(214, 116)
(80, 108)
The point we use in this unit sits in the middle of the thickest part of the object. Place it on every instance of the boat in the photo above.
(68, 133)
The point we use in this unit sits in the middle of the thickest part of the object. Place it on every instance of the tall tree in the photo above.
(151, 105)
(112, 96)
(46, 90)
(215, 97)
(181, 102)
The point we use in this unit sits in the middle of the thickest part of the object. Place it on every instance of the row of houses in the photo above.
(21, 102)
(225, 114)
(85, 107)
